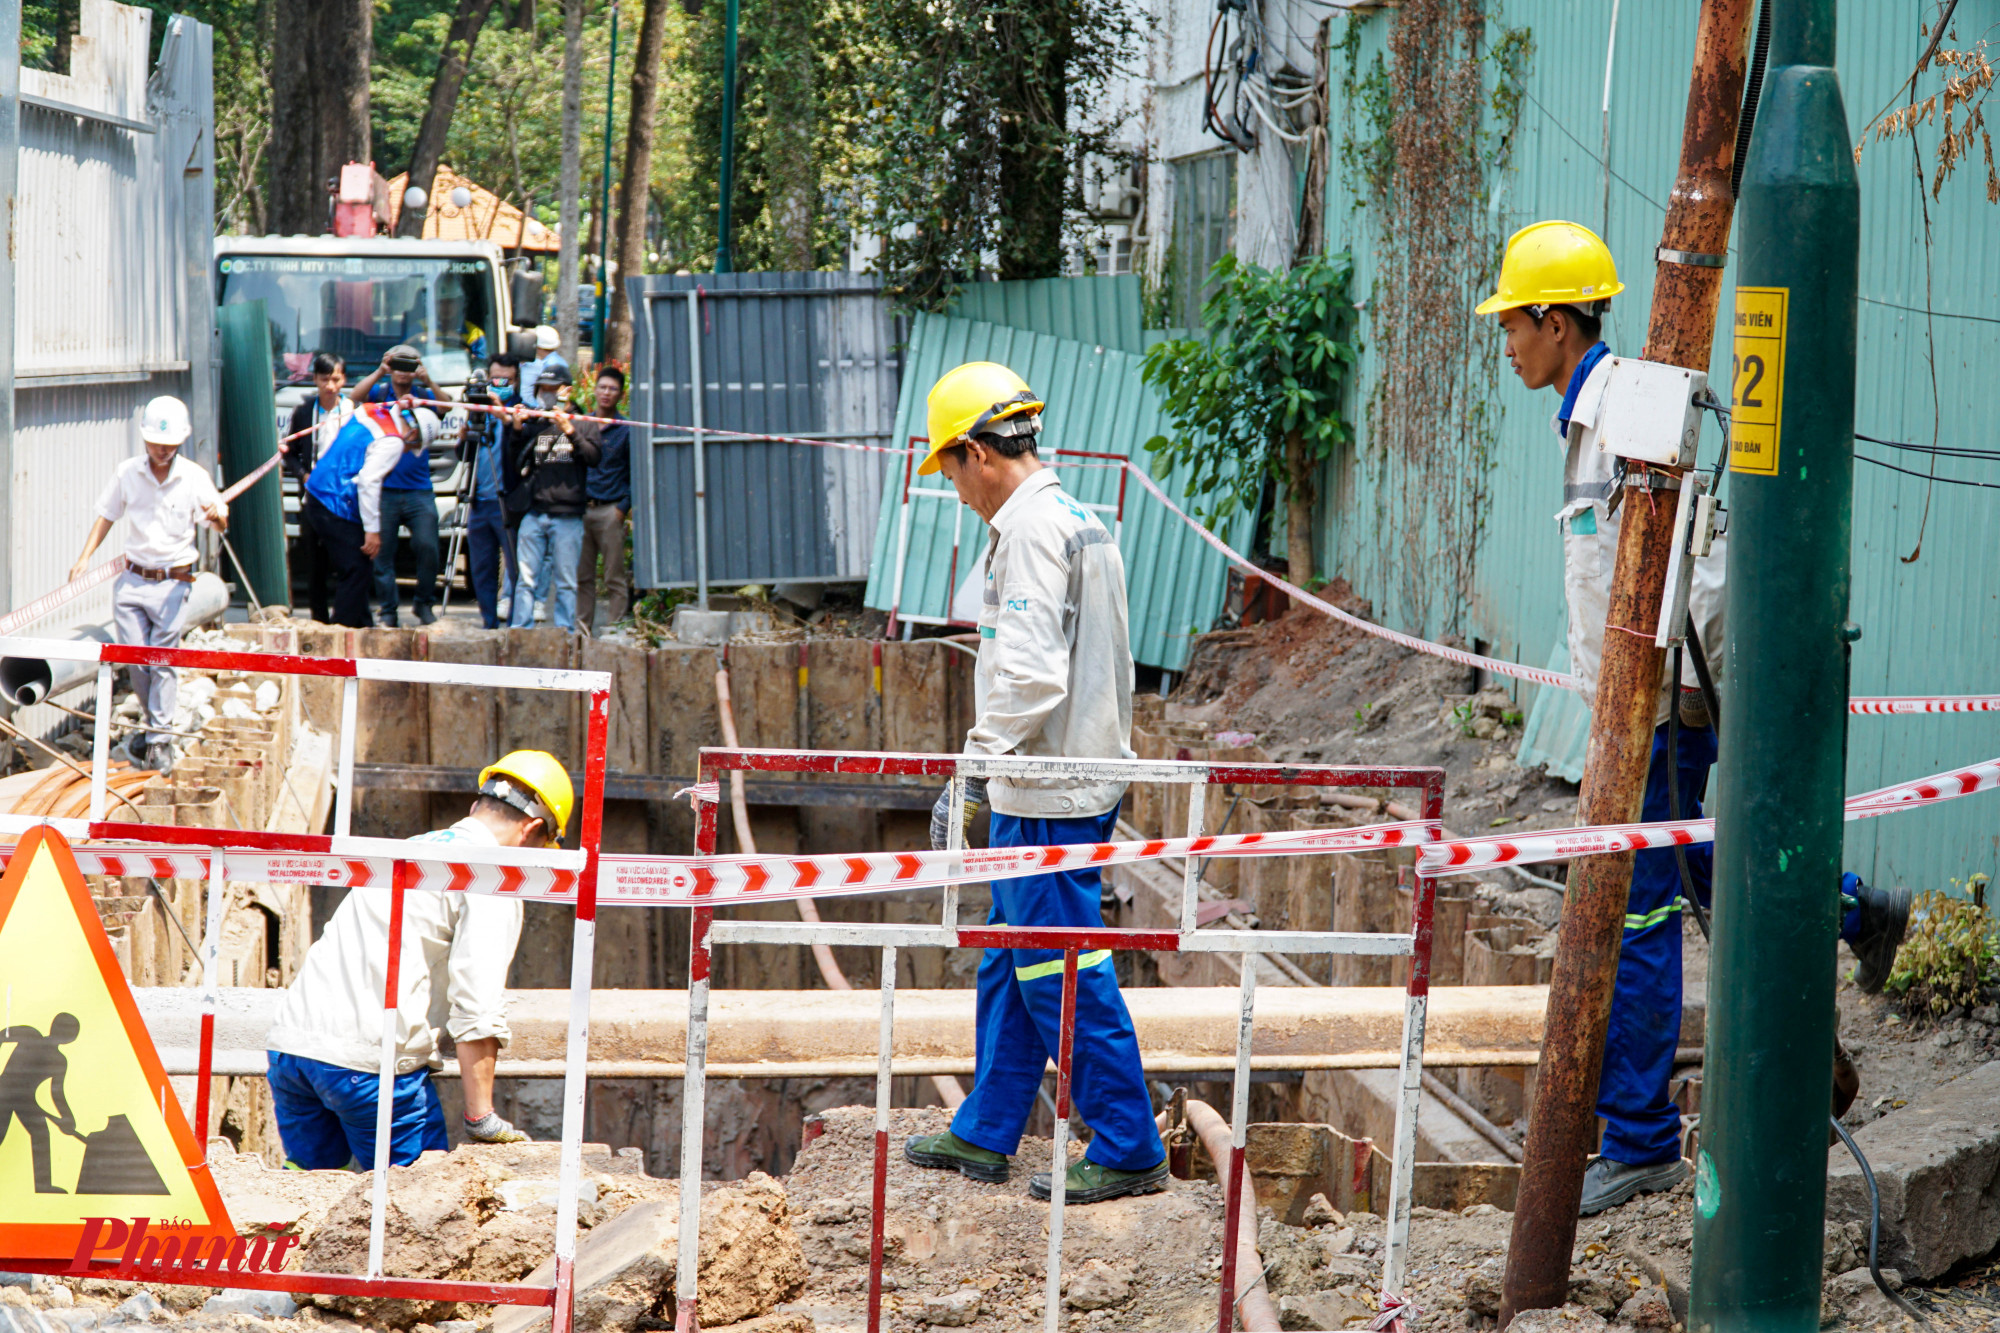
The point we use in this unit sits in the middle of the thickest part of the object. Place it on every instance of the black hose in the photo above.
(1701, 674)
(1753, 91)
(1875, 1226)
(1674, 791)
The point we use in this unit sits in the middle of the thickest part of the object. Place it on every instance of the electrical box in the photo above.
(1649, 414)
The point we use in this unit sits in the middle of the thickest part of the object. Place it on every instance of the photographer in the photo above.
(487, 539)
(547, 463)
(408, 500)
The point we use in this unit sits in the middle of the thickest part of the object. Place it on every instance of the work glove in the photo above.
(490, 1128)
(975, 801)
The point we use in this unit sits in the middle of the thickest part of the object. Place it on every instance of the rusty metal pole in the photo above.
(1563, 1126)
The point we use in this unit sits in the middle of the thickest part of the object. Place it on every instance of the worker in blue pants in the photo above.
(1053, 682)
(1556, 282)
(1020, 1013)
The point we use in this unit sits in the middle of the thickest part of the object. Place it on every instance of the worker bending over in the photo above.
(343, 495)
(326, 1046)
(1556, 281)
(161, 496)
(1054, 680)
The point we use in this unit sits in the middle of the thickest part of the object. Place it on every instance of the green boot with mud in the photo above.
(1088, 1182)
(948, 1152)
(1885, 918)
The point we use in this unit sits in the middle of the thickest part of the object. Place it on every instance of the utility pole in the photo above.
(1562, 1130)
(1760, 1176)
(604, 201)
(728, 172)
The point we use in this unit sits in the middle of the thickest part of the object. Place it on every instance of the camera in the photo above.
(406, 365)
(479, 389)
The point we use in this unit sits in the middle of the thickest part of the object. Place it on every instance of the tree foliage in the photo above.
(1259, 400)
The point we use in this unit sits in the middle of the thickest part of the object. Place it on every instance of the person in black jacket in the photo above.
(548, 459)
(322, 416)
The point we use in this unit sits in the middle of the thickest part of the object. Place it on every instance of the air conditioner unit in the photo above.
(1115, 192)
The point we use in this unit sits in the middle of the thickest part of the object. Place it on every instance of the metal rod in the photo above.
(343, 792)
(597, 337)
(211, 957)
(385, 1081)
(902, 552)
(954, 841)
(1191, 865)
(1410, 1086)
(693, 1087)
(883, 1085)
(1239, 1138)
(697, 388)
(1059, 1164)
(100, 746)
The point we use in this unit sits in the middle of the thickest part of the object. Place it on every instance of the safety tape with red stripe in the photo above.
(1462, 854)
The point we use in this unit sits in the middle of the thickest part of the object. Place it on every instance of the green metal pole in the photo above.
(728, 173)
(604, 204)
(1760, 1177)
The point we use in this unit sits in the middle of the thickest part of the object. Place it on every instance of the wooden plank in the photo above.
(840, 714)
(392, 726)
(680, 700)
(916, 709)
(541, 719)
(630, 737)
(319, 696)
(465, 723)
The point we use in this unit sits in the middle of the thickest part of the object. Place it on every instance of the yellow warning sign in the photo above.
(89, 1128)
(1757, 379)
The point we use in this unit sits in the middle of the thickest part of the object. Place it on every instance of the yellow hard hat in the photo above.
(1554, 263)
(535, 784)
(970, 398)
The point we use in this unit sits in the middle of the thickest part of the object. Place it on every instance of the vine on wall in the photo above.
(1430, 129)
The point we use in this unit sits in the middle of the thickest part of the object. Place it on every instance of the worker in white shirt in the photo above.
(1054, 679)
(326, 1046)
(161, 496)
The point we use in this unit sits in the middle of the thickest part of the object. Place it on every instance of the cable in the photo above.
(1875, 1226)
(1945, 450)
(1919, 310)
(1925, 476)
(1590, 152)
(1753, 91)
(1688, 894)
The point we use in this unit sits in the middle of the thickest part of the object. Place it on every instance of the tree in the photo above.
(635, 184)
(319, 105)
(570, 186)
(1259, 400)
(466, 23)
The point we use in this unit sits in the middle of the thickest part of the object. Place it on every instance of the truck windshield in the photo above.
(360, 306)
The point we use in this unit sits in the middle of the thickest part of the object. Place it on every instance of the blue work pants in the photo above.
(326, 1114)
(1642, 1127)
(1020, 1013)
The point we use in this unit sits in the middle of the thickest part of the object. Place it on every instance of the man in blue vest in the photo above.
(407, 498)
(343, 500)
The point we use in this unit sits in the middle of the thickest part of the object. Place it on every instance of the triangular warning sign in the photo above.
(89, 1127)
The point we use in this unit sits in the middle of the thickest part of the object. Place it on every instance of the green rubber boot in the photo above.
(1087, 1182)
(948, 1152)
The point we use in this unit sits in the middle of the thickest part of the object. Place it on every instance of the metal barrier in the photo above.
(706, 933)
(397, 864)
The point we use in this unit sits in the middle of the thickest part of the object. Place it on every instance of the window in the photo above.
(1204, 228)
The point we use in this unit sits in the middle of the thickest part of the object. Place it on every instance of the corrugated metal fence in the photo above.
(108, 287)
(806, 354)
(1096, 403)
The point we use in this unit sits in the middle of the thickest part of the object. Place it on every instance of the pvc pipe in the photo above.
(29, 680)
(1255, 1308)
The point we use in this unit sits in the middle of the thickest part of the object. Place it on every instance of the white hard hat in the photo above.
(165, 421)
(546, 338)
(427, 425)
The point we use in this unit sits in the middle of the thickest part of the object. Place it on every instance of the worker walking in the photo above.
(161, 496)
(326, 1046)
(1556, 282)
(1054, 680)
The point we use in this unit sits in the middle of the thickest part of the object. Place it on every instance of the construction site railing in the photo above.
(706, 933)
(396, 864)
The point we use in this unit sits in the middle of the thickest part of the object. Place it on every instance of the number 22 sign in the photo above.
(1757, 379)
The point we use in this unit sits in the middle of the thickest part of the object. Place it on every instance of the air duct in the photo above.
(30, 680)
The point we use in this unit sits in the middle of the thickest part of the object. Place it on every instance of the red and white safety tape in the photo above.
(23, 616)
(1568, 844)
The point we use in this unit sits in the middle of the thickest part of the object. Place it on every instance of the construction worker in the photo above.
(343, 495)
(326, 1046)
(1556, 281)
(161, 496)
(1054, 680)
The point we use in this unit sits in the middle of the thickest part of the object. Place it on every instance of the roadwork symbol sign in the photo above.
(89, 1128)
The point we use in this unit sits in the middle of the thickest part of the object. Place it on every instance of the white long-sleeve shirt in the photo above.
(1054, 677)
(383, 455)
(1590, 551)
(457, 948)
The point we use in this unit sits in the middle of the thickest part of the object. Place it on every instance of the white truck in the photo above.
(359, 296)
